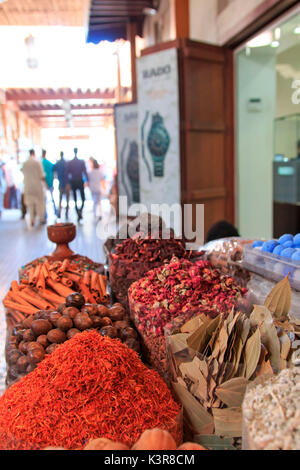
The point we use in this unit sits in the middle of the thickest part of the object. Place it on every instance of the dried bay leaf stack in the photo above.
(212, 361)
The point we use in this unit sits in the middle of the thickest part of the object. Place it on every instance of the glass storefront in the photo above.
(268, 126)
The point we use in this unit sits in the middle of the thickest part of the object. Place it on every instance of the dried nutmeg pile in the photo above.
(40, 334)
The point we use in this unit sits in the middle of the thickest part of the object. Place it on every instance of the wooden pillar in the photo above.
(131, 35)
(182, 18)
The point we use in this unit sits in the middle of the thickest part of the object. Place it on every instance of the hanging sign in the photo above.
(126, 123)
(159, 132)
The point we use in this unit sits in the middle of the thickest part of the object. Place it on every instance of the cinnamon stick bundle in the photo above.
(64, 266)
(66, 281)
(52, 297)
(41, 281)
(30, 276)
(19, 307)
(74, 277)
(37, 302)
(36, 273)
(87, 278)
(62, 290)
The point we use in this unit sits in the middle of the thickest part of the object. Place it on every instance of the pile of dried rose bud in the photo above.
(180, 288)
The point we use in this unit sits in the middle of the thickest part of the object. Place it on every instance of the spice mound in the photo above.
(89, 387)
(179, 287)
(136, 256)
(271, 413)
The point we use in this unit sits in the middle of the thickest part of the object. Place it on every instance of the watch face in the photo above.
(158, 140)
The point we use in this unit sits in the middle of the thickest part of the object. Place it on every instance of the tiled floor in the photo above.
(19, 245)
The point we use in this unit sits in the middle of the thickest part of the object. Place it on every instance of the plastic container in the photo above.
(226, 254)
(271, 266)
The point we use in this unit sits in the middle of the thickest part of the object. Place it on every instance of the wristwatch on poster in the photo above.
(132, 168)
(158, 144)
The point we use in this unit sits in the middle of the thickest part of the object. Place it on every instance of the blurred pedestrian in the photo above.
(11, 171)
(96, 177)
(77, 175)
(34, 196)
(60, 170)
(2, 188)
(48, 170)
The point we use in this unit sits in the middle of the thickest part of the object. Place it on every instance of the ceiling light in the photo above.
(297, 30)
(277, 34)
(264, 39)
(275, 44)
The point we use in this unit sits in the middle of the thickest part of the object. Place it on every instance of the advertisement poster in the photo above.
(126, 122)
(159, 132)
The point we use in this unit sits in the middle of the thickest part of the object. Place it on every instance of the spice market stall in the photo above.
(77, 341)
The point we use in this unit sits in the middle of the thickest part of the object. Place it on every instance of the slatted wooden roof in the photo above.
(44, 12)
(89, 108)
(108, 18)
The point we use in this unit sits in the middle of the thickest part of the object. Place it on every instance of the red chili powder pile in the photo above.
(89, 387)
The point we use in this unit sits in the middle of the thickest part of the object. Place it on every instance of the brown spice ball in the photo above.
(28, 321)
(103, 311)
(97, 321)
(34, 345)
(23, 347)
(51, 348)
(90, 309)
(43, 341)
(45, 314)
(72, 332)
(121, 325)
(28, 335)
(129, 333)
(37, 315)
(116, 313)
(40, 327)
(70, 312)
(54, 317)
(109, 331)
(22, 363)
(64, 323)
(82, 321)
(56, 336)
(20, 333)
(133, 344)
(13, 372)
(106, 321)
(61, 308)
(35, 356)
(13, 356)
(17, 328)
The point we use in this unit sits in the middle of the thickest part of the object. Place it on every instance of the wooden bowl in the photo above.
(62, 235)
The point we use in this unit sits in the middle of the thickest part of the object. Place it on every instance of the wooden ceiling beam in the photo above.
(62, 116)
(42, 95)
(56, 107)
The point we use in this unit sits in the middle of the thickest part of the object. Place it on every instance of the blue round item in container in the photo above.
(297, 240)
(296, 256)
(287, 237)
(289, 244)
(288, 252)
(257, 243)
(278, 249)
(269, 246)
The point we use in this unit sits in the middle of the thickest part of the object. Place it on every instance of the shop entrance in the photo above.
(268, 130)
